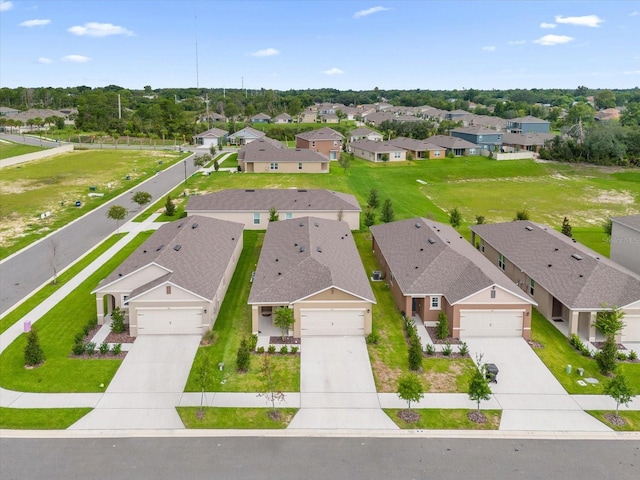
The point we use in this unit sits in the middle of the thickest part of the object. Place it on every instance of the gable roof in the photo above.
(530, 138)
(212, 133)
(527, 119)
(247, 132)
(320, 134)
(450, 142)
(304, 256)
(373, 146)
(428, 257)
(283, 116)
(197, 266)
(283, 199)
(267, 149)
(362, 131)
(630, 221)
(578, 277)
(413, 144)
(261, 116)
(476, 130)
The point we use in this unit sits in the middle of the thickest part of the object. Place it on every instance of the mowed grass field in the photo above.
(54, 184)
(10, 149)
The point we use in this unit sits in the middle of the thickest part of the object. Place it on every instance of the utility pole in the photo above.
(119, 108)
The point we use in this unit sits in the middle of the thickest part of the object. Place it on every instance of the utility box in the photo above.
(568, 369)
(221, 366)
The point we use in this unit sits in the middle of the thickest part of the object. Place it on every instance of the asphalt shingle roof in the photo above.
(325, 133)
(450, 142)
(631, 221)
(212, 133)
(269, 150)
(413, 144)
(375, 147)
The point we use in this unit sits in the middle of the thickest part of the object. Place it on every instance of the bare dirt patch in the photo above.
(616, 197)
(443, 382)
(386, 377)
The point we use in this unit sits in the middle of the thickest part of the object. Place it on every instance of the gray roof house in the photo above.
(420, 149)
(211, 137)
(283, 118)
(244, 136)
(458, 146)
(363, 132)
(267, 155)
(312, 266)
(431, 269)
(570, 282)
(261, 118)
(175, 282)
(527, 124)
(625, 241)
(531, 141)
(251, 207)
(485, 138)
(377, 151)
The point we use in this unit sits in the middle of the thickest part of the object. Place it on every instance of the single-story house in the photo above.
(607, 114)
(420, 149)
(175, 282)
(377, 151)
(625, 242)
(532, 141)
(527, 124)
(312, 266)
(283, 118)
(430, 268)
(213, 117)
(324, 140)
(244, 136)
(570, 282)
(4, 111)
(364, 133)
(455, 114)
(251, 207)
(328, 118)
(483, 137)
(261, 118)
(211, 138)
(376, 118)
(267, 155)
(458, 146)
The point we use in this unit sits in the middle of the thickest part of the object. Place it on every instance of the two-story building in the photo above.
(325, 140)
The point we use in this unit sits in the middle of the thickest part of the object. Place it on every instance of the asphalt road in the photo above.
(21, 274)
(28, 139)
(317, 458)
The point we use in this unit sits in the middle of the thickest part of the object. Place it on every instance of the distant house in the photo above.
(532, 142)
(324, 140)
(458, 146)
(625, 242)
(213, 117)
(419, 149)
(455, 114)
(261, 118)
(328, 118)
(607, 114)
(376, 118)
(4, 111)
(364, 133)
(377, 151)
(211, 138)
(283, 118)
(244, 136)
(251, 207)
(527, 124)
(485, 138)
(329, 108)
(308, 116)
(267, 155)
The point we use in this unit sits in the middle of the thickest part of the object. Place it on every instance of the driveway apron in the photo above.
(147, 386)
(337, 390)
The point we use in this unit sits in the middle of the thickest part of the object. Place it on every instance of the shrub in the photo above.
(415, 354)
(621, 356)
(442, 329)
(117, 320)
(104, 348)
(260, 350)
(90, 348)
(86, 330)
(243, 357)
(294, 349)
(633, 355)
(78, 348)
(463, 349)
(271, 349)
(79, 338)
(606, 357)
(169, 207)
(430, 349)
(116, 349)
(253, 341)
(33, 354)
(446, 350)
(284, 350)
(373, 338)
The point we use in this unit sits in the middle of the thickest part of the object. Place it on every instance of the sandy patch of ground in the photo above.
(445, 381)
(616, 196)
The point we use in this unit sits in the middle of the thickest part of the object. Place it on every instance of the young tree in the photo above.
(117, 320)
(216, 164)
(387, 214)
(410, 389)
(220, 147)
(479, 384)
(169, 207)
(480, 220)
(415, 353)
(566, 227)
(33, 354)
(522, 215)
(212, 150)
(345, 160)
(141, 198)
(384, 157)
(455, 218)
(284, 320)
(54, 253)
(270, 392)
(274, 216)
(610, 323)
(607, 356)
(620, 391)
(369, 217)
(117, 213)
(340, 214)
(607, 226)
(374, 200)
(201, 160)
(442, 329)
(243, 357)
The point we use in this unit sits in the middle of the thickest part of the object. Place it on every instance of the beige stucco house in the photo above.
(312, 265)
(175, 282)
(377, 151)
(430, 268)
(625, 242)
(267, 155)
(419, 149)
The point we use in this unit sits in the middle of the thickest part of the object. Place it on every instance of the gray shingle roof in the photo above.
(373, 146)
(631, 221)
(269, 150)
(579, 284)
(303, 256)
(325, 133)
(447, 265)
(527, 119)
(199, 264)
(413, 144)
(261, 116)
(247, 132)
(361, 132)
(476, 130)
(290, 200)
(212, 133)
(531, 138)
(450, 142)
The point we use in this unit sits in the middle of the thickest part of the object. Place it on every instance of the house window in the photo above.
(479, 137)
(501, 261)
(493, 293)
(168, 289)
(273, 166)
(532, 286)
(436, 153)
(313, 144)
(288, 216)
(391, 278)
(299, 166)
(435, 303)
(396, 155)
(335, 143)
(125, 301)
(256, 219)
(481, 245)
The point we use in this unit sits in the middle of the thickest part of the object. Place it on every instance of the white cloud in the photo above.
(634, 13)
(369, 11)
(550, 40)
(333, 71)
(490, 48)
(45, 60)
(75, 58)
(4, 6)
(267, 52)
(95, 29)
(585, 21)
(632, 72)
(517, 42)
(36, 22)
(547, 25)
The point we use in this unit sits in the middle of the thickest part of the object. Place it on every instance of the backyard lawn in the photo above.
(236, 418)
(446, 419)
(10, 149)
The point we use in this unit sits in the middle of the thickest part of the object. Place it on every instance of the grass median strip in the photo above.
(446, 419)
(57, 328)
(631, 417)
(40, 418)
(38, 297)
(235, 418)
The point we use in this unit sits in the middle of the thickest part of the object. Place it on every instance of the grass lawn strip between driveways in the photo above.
(234, 324)
(10, 149)
(40, 418)
(445, 419)
(631, 416)
(235, 418)
(57, 328)
(42, 294)
(557, 354)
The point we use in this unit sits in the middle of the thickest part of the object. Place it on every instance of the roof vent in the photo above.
(421, 249)
(160, 248)
(574, 240)
(144, 251)
(418, 225)
(119, 274)
(549, 265)
(277, 260)
(576, 256)
(416, 267)
(319, 249)
(555, 249)
(301, 224)
(529, 227)
(177, 248)
(180, 225)
(295, 244)
(431, 240)
(315, 224)
(194, 226)
(279, 273)
(302, 248)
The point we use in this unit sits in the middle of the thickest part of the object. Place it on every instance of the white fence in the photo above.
(509, 156)
(28, 157)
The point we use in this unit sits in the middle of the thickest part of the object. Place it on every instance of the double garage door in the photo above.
(631, 330)
(166, 321)
(490, 323)
(331, 321)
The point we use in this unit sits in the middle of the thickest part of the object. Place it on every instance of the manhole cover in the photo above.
(591, 380)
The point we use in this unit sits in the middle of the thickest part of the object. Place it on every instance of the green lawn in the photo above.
(54, 184)
(631, 416)
(10, 149)
(47, 290)
(57, 329)
(40, 418)
(557, 354)
(231, 161)
(234, 324)
(236, 418)
(445, 419)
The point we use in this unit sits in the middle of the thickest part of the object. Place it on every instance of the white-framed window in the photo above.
(125, 300)
(273, 166)
(532, 286)
(256, 218)
(313, 143)
(299, 166)
(436, 153)
(396, 155)
(335, 143)
(493, 293)
(479, 138)
(288, 216)
(434, 303)
(501, 261)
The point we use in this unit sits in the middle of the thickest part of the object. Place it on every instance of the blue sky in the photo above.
(301, 44)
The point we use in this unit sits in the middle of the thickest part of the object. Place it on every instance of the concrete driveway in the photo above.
(147, 386)
(337, 390)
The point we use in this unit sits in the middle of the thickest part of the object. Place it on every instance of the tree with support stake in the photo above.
(621, 392)
(117, 213)
(410, 390)
(479, 390)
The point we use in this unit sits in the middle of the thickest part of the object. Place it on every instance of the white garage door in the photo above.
(490, 323)
(162, 321)
(631, 331)
(331, 321)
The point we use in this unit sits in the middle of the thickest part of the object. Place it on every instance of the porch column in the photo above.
(100, 308)
(255, 318)
(573, 322)
(592, 327)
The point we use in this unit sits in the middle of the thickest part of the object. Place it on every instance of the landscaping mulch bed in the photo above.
(98, 356)
(613, 419)
(534, 344)
(477, 417)
(119, 338)
(454, 354)
(287, 340)
(433, 333)
(409, 416)
(599, 345)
